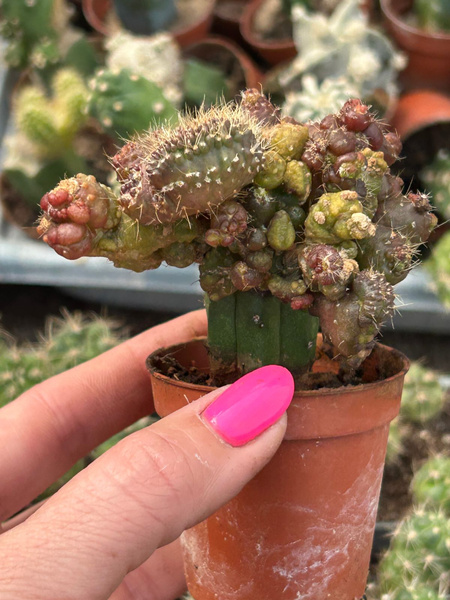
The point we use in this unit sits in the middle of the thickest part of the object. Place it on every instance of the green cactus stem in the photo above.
(438, 265)
(248, 330)
(423, 396)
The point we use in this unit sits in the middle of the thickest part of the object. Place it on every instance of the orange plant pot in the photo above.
(303, 527)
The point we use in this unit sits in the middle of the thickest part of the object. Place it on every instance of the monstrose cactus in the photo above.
(291, 224)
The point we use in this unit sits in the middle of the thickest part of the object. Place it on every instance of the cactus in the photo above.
(341, 49)
(32, 31)
(436, 177)
(415, 591)
(423, 396)
(68, 341)
(157, 58)
(438, 266)
(418, 556)
(395, 442)
(125, 103)
(145, 17)
(432, 16)
(278, 214)
(431, 484)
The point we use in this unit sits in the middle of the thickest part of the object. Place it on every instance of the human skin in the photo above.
(112, 531)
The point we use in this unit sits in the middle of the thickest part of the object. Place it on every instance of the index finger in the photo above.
(47, 429)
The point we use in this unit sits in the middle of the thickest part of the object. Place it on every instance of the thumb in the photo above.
(145, 491)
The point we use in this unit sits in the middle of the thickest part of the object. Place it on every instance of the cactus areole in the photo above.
(294, 226)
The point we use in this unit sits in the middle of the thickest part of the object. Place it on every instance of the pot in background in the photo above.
(272, 51)
(428, 53)
(99, 15)
(304, 525)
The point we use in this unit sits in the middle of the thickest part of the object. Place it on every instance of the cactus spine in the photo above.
(281, 216)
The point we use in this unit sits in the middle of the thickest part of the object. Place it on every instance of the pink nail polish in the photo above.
(251, 404)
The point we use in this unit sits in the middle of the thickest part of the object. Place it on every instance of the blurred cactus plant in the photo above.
(67, 342)
(436, 177)
(431, 484)
(291, 224)
(343, 48)
(418, 559)
(124, 102)
(423, 395)
(42, 148)
(433, 15)
(157, 58)
(438, 266)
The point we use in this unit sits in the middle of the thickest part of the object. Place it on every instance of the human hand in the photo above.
(112, 531)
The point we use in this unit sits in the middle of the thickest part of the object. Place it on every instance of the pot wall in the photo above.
(303, 527)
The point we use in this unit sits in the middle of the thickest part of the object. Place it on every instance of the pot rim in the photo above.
(303, 393)
(423, 36)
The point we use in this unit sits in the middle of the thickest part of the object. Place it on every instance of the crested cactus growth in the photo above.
(282, 217)
(419, 555)
(124, 102)
(431, 484)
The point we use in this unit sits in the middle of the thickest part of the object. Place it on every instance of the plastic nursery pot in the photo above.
(98, 13)
(303, 527)
(428, 53)
(230, 57)
(272, 51)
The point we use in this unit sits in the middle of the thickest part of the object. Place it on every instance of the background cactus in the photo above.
(156, 57)
(418, 556)
(438, 266)
(423, 396)
(431, 484)
(125, 103)
(432, 16)
(436, 178)
(280, 216)
(342, 48)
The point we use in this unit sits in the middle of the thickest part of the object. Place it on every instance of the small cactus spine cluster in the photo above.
(124, 102)
(268, 206)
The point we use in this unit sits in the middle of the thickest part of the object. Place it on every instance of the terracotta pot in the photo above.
(223, 52)
(422, 119)
(428, 53)
(273, 51)
(98, 12)
(227, 17)
(303, 527)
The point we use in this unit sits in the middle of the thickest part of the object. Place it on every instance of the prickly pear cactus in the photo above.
(291, 224)
(418, 556)
(125, 103)
(423, 395)
(431, 484)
